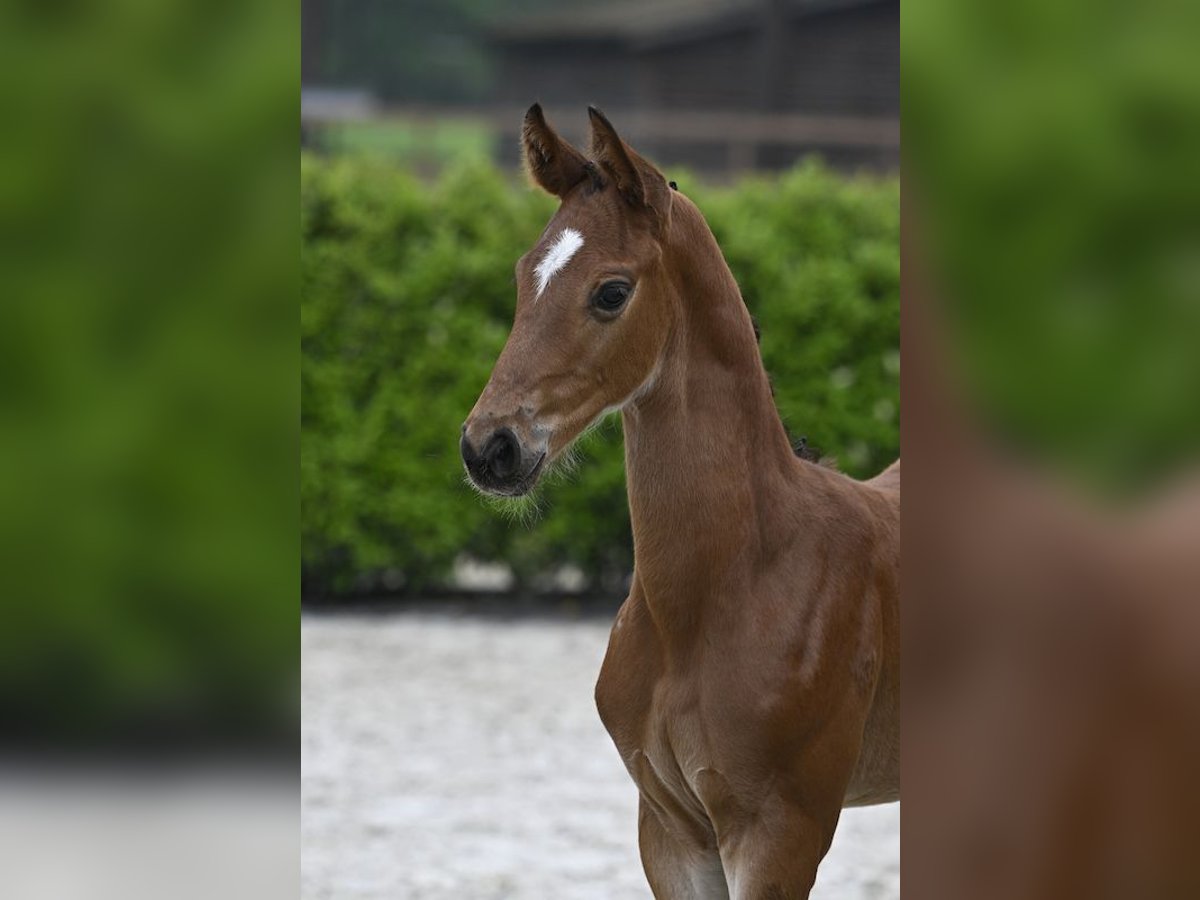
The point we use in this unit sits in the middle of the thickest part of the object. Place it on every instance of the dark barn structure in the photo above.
(717, 85)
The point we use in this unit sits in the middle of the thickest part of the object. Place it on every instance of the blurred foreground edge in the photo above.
(1052, 686)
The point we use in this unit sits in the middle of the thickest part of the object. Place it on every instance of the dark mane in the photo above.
(592, 172)
(802, 450)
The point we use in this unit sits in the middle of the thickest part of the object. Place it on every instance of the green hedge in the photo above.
(407, 299)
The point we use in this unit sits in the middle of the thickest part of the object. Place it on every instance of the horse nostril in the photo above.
(470, 457)
(502, 453)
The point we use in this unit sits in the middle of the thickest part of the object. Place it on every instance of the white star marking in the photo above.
(564, 247)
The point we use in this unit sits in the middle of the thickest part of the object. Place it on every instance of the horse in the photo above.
(751, 681)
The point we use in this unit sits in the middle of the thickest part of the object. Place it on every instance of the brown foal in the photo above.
(751, 682)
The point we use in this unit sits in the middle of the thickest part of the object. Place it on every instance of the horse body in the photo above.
(751, 683)
(751, 680)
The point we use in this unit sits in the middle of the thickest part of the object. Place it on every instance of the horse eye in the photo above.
(611, 296)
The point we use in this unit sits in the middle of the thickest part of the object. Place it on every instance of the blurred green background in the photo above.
(406, 301)
(1053, 158)
(148, 375)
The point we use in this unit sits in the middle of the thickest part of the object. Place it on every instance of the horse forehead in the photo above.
(559, 242)
(577, 231)
(555, 253)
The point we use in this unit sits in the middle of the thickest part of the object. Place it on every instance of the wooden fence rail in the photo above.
(741, 134)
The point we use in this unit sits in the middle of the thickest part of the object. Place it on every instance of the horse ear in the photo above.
(554, 164)
(639, 182)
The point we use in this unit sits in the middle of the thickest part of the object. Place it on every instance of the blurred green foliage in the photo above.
(407, 299)
(148, 569)
(1055, 155)
(419, 145)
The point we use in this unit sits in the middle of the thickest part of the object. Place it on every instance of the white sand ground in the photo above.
(462, 759)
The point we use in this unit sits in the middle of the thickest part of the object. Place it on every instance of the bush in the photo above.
(407, 300)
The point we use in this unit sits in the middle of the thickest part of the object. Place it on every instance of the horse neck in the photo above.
(707, 456)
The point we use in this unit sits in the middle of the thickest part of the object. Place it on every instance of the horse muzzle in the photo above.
(501, 463)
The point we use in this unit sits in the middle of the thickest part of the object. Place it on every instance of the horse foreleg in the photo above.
(676, 868)
(777, 857)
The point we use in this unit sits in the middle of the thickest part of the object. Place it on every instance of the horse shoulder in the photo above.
(632, 666)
